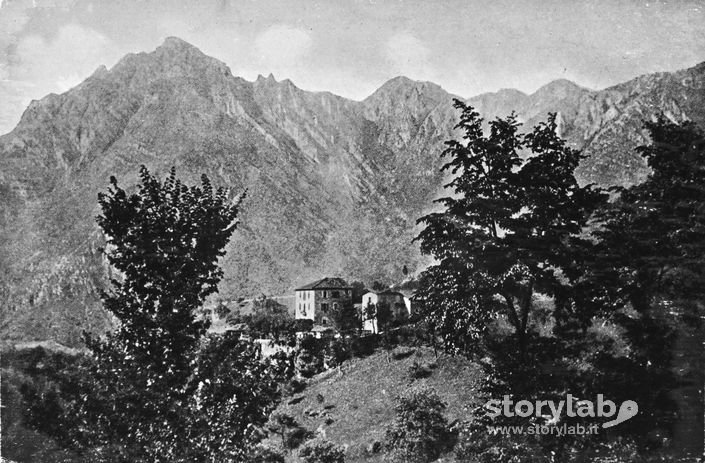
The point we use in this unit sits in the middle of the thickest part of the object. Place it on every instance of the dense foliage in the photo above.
(158, 388)
(420, 431)
(501, 237)
(322, 451)
(269, 319)
(345, 318)
(621, 277)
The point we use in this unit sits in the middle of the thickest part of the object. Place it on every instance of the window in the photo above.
(336, 294)
(324, 307)
(335, 306)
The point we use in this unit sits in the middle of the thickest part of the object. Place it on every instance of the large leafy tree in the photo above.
(157, 388)
(647, 268)
(503, 234)
(165, 241)
(269, 319)
(653, 236)
(345, 317)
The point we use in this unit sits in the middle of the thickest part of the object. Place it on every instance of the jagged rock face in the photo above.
(608, 124)
(322, 189)
(334, 186)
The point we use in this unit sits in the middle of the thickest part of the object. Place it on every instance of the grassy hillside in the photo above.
(359, 398)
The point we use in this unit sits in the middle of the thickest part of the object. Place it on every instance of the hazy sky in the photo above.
(351, 47)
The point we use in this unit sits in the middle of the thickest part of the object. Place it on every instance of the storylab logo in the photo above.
(571, 407)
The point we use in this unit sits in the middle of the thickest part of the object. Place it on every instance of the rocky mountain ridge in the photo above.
(334, 185)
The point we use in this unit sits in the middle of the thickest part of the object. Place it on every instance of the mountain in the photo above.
(328, 190)
(334, 186)
(13, 95)
(608, 124)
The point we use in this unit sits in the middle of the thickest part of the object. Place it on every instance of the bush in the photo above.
(419, 371)
(308, 363)
(402, 352)
(309, 356)
(420, 432)
(337, 352)
(288, 429)
(312, 344)
(363, 346)
(263, 454)
(296, 436)
(322, 451)
(476, 444)
(302, 325)
(284, 363)
(295, 386)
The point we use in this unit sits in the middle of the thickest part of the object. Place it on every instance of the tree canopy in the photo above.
(158, 388)
(503, 234)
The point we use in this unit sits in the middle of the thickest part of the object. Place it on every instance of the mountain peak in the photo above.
(100, 71)
(403, 82)
(173, 57)
(177, 44)
(561, 88)
(174, 49)
(400, 80)
(269, 79)
(402, 86)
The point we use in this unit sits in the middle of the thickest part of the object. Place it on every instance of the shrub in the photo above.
(476, 444)
(296, 436)
(419, 371)
(303, 325)
(363, 346)
(322, 451)
(338, 351)
(309, 356)
(402, 352)
(308, 363)
(420, 432)
(262, 454)
(288, 429)
(295, 386)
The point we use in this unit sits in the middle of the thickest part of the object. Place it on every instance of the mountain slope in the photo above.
(334, 186)
(320, 200)
(607, 124)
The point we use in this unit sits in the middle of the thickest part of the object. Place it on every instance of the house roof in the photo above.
(386, 292)
(326, 283)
